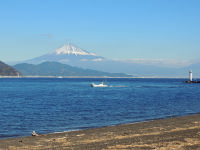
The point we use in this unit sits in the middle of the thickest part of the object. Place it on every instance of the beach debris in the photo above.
(80, 135)
(34, 133)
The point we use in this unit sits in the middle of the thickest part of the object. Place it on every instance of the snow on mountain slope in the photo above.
(68, 53)
(71, 50)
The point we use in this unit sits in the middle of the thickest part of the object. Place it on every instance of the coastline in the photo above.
(173, 133)
(98, 77)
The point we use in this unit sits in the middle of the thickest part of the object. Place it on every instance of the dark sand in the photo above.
(182, 133)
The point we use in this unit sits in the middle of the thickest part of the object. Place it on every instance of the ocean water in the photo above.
(49, 105)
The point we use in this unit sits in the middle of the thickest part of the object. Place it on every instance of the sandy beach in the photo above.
(164, 134)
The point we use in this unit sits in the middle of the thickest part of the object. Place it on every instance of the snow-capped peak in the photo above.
(71, 49)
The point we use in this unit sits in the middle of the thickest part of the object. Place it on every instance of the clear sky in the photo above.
(115, 29)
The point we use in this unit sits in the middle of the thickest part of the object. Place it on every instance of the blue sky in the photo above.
(115, 29)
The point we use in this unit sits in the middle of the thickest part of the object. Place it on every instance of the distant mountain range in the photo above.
(6, 70)
(58, 69)
(75, 56)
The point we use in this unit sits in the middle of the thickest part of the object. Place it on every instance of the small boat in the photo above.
(99, 85)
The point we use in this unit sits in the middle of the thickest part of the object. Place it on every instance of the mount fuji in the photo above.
(77, 57)
(68, 54)
(67, 60)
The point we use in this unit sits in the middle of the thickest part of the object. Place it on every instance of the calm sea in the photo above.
(49, 105)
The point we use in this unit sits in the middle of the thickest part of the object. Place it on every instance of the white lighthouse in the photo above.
(190, 75)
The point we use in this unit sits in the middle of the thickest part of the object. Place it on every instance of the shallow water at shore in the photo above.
(55, 105)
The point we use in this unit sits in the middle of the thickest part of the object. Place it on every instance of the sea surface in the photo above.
(49, 105)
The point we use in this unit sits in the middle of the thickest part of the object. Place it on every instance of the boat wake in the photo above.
(117, 86)
(154, 86)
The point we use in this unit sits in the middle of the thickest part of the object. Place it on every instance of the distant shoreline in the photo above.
(92, 77)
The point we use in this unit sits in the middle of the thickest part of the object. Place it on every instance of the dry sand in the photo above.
(182, 133)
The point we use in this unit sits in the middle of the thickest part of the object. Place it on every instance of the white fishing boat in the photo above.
(99, 85)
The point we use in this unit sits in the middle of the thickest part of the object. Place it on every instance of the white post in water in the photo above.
(190, 75)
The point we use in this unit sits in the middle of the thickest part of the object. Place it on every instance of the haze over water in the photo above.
(55, 105)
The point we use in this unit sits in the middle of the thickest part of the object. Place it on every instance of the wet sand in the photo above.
(181, 133)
